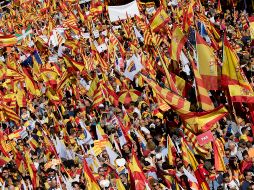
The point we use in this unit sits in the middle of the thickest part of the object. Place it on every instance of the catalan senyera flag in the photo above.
(90, 179)
(251, 23)
(98, 97)
(4, 160)
(177, 42)
(240, 94)
(10, 114)
(188, 16)
(8, 40)
(192, 138)
(202, 93)
(159, 19)
(218, 148)
(231, 70)
(207, 64)
(188, 157)
(171, 151)
(175, 101)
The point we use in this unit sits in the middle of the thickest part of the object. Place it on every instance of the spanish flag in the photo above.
(240, 94)
(203, 121)
(21, 98)
(207, 64)
(91, 183)
(8, 40)
(232, 73)
(137, 173)
(251, 23)
(159, 19)
(177, 42)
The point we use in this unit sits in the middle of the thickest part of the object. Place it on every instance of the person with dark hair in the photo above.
(248, 178)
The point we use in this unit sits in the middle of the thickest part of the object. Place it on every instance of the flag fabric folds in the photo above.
(207, 64)
(240, 94)
(231, 70)
(177, 42)
(122, 11)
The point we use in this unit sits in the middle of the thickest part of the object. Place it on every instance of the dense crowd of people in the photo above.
(75, 114)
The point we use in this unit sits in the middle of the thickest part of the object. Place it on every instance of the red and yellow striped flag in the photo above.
(137, 173)
(207, 64)
(192, 138)
(231, 70)
(175, 101)
(218, 148)
(203, 121)
(32, 170)
(10, 114)
(4, 160)
(188, 157)
(218, 7)
(98, 97)
(202, 93)
(240, 94)
(171, 151)
(251, 23)
(159, 19)
(177, 42)
(8, 40)
(91, 183)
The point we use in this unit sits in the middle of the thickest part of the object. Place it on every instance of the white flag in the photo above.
(133, 66)
(121, 12)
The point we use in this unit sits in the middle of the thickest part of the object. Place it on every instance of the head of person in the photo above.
(248, 176)
(226, 178)
(75, 185)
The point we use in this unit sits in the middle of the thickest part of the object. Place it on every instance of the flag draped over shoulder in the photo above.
(159, 19)
(207, 64)
(231, 71)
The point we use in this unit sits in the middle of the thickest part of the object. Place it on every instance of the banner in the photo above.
(121, 12)
(205, 138)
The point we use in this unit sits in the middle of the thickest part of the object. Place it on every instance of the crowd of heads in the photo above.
(63, 141)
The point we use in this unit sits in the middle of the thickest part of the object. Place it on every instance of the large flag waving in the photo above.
(231, 71)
